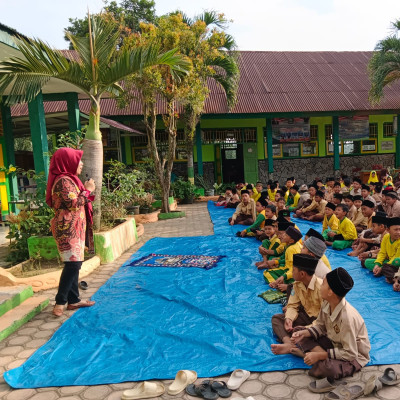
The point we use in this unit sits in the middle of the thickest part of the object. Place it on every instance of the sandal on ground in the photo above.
(372, 384)
(203, 390)
(236, 379)
(145, 390)
(324, 385)
(58, 312)
(347, 392)
(221, 388)
(81, 304)
(182, 379)
(389, 377)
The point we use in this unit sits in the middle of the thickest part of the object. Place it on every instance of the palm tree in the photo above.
(213, 58)
(384, 66)
(98, 69)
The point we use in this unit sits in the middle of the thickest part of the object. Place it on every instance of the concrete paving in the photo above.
(15, 350)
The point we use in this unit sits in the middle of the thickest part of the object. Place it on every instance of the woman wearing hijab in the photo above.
(373, 177)
(72, 223)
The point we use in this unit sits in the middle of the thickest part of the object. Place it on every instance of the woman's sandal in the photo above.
(81, 304)
(203, 390)
(390, 377)
(58, 312)
(372, 384)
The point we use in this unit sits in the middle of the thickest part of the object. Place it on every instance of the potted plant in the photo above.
(145, 201)
(200, 181)
(184, 190)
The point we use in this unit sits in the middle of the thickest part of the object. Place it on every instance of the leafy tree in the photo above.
(127, 15)
(98, 69)
(384, 66)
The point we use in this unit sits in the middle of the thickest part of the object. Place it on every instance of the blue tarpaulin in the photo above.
(148, 323)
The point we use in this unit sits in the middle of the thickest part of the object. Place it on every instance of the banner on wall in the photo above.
(356, 127)
(290, 130)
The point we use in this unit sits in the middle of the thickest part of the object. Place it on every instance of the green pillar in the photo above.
(199, 150)
(128, 150)
(269, 146)
(39, 135)
(9, 153)
(397, 128)
(74, 121)
(335, 131)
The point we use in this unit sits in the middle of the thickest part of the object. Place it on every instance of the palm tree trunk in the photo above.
(190, 164)
(93, 159)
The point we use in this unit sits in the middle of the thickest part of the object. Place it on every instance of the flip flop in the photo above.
(203, 390)
(182, 379)
(221, 388)
(324, 385)
(81, 304)
(83, 285)
(372, 384)
(236, 379)
(145, 390)
(389, 377)
(58, 312)
(343, 392)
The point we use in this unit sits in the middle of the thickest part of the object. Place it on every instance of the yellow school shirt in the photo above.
(332, 223)
(389, 250)
(325, 260)
(290, 252)
(271, 194)
(347, 229)
(255, 196)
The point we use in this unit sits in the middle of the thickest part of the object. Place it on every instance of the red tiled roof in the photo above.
(278, 82)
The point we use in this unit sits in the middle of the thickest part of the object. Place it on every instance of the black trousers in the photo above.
(68, 291)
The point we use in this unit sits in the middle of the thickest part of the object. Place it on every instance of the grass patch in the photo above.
(171, 215)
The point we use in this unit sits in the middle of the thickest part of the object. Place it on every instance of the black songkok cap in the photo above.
(338, 196)
(357, 197)
(284, 213)
(365, 187)
(305, 262)
(331, 206)
(269, 222)
(340, 281)
(380, 218)
(313, 232)
(393, 221)
(320, 193)
(282, 226)
(391, 194)
(368, 203)
(294, 233)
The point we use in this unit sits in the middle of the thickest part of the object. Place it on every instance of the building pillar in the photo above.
(74, 121)
(335, 132)
(9, 154)
(199, 150)
(39, 135)
(270, 153)
(397, 129)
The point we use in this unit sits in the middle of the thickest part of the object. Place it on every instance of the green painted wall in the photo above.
(321, 122)
(380, 119)
(208, 153)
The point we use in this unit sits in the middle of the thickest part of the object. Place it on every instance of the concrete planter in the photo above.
(45, 246)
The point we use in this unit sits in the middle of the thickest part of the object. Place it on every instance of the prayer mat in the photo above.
(272, 296)
(175, 261)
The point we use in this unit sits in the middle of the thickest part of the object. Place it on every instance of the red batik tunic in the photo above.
(69, 223)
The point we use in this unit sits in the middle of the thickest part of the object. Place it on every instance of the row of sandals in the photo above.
(212, 390)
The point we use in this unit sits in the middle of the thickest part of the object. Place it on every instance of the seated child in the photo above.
(346, 233)
(370, 240)
(349, 201)
(388, 261)
(269, 211)
(313, 233)
(270, 244)
(234, 200)
(330, 222)
(257, 191)
(336, 345)
(223, 200)
(359, 221)
(280, 204)
(259, 222)
(303, 211)
(293, 198)
(317, 209)
(316, 248)
(272, 192)
(245, 213)
(303, 305)
(337, 198)
(280, 271)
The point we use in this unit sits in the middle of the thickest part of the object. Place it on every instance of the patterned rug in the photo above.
(164, 260)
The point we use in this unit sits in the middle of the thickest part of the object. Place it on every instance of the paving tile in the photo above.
(50, 325)
(6, 360)
(390, 393)
(249, 388)
(124, 386)
(10, 351)
(71, 398)
(21, 394)
(299, 381)
(278, 391)
(27, 331)
(115, 395)
(305, 394)
(36, 343)
(4, 389)
(43, 334)
(53, 395)
(273, 377)
(96, 392)
(67, 390)
(16, 363)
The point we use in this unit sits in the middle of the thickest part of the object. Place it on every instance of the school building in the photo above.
(302, 114)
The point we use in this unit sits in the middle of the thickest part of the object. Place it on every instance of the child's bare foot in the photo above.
(328, 243)
(297, 352)
(259, 263)
(352, 254)
(262, 266)
(282, 287)
(396, 286)
(284, 348)
(273, 285)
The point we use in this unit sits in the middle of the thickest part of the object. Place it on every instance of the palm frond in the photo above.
(211, 17)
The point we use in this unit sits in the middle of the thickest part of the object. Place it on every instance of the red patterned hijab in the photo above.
(65, 162)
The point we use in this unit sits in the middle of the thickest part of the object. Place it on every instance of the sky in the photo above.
(275, 25)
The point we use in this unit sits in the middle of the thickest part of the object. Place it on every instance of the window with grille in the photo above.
(373, 130)
(328, 132)
(210, 136)
(388, 129)
(313, 132)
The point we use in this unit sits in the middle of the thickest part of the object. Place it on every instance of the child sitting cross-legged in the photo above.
(388, 261)
(346, 233)
(280, 204)
(330, 222)
(336, 345)
(269, 211)
(280, 271)
(359, 221)
(316, 248)
(303, 304)
(259, 222)
(245, 213)
(270, 244)
(234, 200)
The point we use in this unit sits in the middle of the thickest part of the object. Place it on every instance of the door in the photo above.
(250, 162)
(232, 163)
